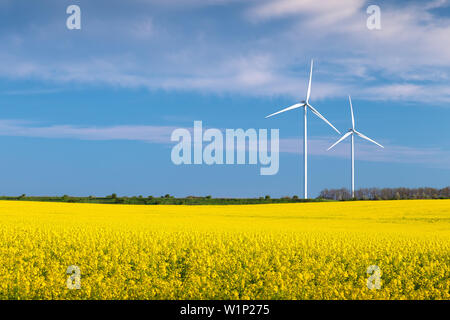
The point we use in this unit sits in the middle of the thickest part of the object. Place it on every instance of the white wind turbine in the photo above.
(305, 105)
(351, 132)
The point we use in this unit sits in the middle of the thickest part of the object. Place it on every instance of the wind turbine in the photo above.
(351, 132)
(305, 105)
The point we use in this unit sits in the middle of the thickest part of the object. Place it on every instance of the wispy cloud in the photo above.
(29, 91)
(152, 134)
(330, 11)
(434, 157)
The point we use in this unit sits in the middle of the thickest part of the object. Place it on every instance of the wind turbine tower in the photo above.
(305, 105)
(351, 132)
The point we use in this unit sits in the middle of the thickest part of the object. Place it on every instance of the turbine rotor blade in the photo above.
(342, 138)
(351, 110)
(322, 117)
(309, 83)
(295, 106)
(367, 138)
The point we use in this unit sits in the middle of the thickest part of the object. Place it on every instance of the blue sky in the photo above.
(90, 111)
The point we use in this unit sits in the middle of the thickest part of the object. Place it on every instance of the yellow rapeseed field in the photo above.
(285, 251)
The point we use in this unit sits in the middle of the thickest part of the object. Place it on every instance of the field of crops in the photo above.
(279, 251)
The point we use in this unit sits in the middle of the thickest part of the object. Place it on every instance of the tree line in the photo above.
(386, 193)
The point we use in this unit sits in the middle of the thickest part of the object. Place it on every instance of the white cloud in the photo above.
(408, 59)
